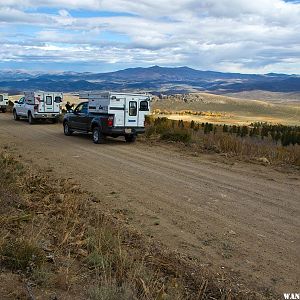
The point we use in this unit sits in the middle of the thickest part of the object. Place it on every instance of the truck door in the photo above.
(56, 103)
(83, 120)
(20, 107)
(143, 111)
(131, 112)
(79, 118)
(48, 103)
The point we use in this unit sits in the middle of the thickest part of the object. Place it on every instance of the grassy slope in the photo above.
(56, 242)
(273, 97)
(237, 110)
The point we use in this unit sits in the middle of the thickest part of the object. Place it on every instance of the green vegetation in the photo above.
(277, 143)
(21, 255)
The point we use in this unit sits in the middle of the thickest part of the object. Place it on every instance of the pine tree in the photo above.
(206, 128)
(192, 125)
(244, 131)
(277, 136)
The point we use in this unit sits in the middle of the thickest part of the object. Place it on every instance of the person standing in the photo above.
(69, 106)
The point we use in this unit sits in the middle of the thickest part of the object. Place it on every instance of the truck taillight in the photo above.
(110, 121)
(36, 107)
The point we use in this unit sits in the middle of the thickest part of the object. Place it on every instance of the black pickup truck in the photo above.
(101, 125)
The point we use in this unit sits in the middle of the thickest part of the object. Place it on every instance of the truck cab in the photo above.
(37, 106)
(109, 114)
(3, 102)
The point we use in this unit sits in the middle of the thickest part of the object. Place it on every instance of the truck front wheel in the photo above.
(16, 117)
(97, 136)
(130, 138)
(30, 118)
(67, 130)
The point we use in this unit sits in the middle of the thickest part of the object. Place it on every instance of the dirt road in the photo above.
(239, 219)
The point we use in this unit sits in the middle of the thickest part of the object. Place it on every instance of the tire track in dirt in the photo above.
(197, 202)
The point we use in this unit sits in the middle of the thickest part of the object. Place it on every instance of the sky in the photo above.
(258, 36)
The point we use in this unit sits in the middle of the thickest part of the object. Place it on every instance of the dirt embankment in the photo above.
(239, 220)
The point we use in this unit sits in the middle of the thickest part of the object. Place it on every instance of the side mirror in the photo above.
(17, 102)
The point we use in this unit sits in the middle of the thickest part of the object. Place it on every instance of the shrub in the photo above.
(176, 136)
(21, 255)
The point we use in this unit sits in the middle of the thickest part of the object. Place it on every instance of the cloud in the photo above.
(239, 35)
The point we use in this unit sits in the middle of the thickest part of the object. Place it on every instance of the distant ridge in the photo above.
(153, 79)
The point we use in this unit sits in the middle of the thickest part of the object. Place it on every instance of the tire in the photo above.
(98, 137)
(67, 130)
(130, 138)
(54, 121)
(30, 119)
(4, 110)
(16, 117)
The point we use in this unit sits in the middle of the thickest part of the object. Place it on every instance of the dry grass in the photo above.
(216, 141)
(58, 242)
(228, 110)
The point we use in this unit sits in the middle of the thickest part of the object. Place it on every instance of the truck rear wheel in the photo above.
(130, 138)
(67, 130)
(97, 136)
(16, 117)
(4, 110)
(30, 118)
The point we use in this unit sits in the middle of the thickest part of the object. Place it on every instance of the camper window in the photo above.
(132, 108)
(57, 99)
(48, 100)
(1, 98)
(144, 106)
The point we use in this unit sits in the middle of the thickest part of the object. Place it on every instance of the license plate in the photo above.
(127, 130)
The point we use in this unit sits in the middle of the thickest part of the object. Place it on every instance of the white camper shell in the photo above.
(129, 109)
(3, 102)
(38, 105)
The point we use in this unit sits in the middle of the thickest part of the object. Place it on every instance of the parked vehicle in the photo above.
(3, 102)
(37, 106)
(109, 114)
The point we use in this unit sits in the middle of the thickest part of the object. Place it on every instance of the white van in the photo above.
(37, 106)
(3, 102)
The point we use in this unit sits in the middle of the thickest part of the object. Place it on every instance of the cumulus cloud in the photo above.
(227, 35)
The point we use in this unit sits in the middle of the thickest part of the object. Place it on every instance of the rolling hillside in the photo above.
(154, 79)
(231, 110)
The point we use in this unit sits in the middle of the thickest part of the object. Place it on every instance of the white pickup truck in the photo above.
(37, 106)
(3, 102)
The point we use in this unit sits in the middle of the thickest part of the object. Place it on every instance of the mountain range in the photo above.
(153, 79)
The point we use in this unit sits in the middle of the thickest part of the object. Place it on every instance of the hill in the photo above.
(153, 79)
(222, 109)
